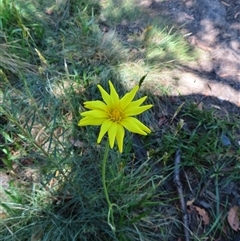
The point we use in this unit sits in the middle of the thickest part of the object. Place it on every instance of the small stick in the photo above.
(180, 194)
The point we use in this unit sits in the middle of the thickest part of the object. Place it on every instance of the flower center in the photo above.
(116, 115)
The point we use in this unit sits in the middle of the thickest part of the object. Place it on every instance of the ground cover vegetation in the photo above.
(52, 57)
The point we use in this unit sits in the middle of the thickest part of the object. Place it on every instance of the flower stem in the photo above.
(110, 205)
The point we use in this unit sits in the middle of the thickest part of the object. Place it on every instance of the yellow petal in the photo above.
(113, 94)
(95, 114)
(95, 105)
(87, 121)
(106, 97)
(104, 128)
(112, 133)
(136, 110)
(120, 137)
(127, 98)
(134, 125)
(137, 103)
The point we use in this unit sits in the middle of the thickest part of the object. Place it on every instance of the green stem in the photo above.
(110, 205)
(104, 173)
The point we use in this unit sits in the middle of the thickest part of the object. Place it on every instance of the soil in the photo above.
(212, 27)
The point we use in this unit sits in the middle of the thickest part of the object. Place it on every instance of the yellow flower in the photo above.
(113, 114)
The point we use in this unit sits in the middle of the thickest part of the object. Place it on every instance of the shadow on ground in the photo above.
(212, 28)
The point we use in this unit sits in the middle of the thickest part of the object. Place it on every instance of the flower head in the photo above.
(115, 114)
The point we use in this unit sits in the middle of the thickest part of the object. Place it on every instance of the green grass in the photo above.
(49, 65)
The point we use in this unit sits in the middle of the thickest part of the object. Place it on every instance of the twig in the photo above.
(180, 194)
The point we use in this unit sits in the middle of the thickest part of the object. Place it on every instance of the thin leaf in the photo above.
(141, 80)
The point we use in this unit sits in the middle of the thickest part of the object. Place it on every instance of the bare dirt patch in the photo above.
(213, 28)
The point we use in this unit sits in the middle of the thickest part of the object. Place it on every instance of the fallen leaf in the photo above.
(233, 218)
(200, 106)
(77, 143)
(162, 120)
(216, 107)
(199, 211)
(190, 202)
(202, 212)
